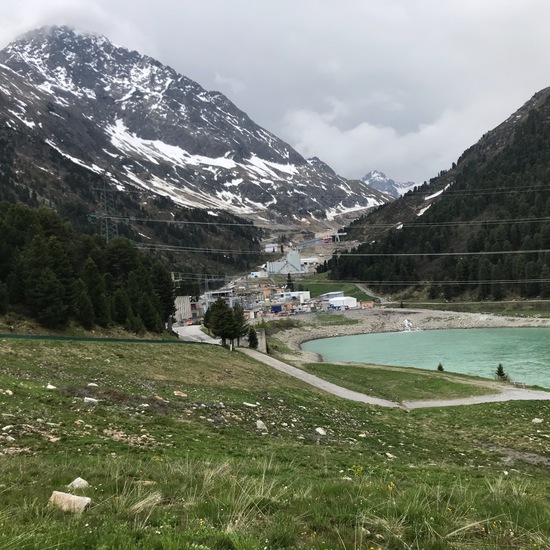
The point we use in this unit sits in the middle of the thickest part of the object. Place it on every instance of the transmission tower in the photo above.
(107, 213)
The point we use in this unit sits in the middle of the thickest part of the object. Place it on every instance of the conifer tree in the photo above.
(252, 338)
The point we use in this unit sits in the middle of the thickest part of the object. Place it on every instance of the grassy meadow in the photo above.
(195, 447)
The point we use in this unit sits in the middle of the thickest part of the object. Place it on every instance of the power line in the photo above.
(179, 222)
(487, 191)
(412, 254)
(460, 223)
(174, 248)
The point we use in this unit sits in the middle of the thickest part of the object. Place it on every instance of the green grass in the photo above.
(395, 384)
(173, 472)
(319, 284)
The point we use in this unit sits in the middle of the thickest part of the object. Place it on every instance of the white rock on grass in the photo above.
(91, 400)
(537, 421)
(51, 387)
(320, 431)
(69, 503)
(78, 483)
(261, 426)
(251, 405)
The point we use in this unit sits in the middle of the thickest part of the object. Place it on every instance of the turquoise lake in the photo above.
(523, 352)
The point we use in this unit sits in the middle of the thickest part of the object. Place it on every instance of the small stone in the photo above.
(69, 503)
(178, 393)
(537, 421)
(261, 426)
(92, 385)
(251, 405)
(390, 456)
(51, 387)
(320, 431)
(9, 438)
(78, 483)
(7, 428)
(346, 478)
(91, 400)
(363, 434)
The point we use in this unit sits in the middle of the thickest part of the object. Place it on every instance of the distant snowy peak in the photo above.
(139, 123)
(379, 180)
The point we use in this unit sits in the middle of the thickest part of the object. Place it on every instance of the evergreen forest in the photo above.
(488, 237)
(55, 275)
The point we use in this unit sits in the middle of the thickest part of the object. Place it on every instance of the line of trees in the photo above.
(52, 273)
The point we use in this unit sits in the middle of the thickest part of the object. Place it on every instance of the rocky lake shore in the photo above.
(397, 320)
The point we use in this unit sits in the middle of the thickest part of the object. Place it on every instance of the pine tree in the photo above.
(500, 374)
(4, 298)
(240, 324)
(252, 338)
(46, 297)
(289, 283)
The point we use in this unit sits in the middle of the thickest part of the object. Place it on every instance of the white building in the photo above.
(291, 264)
(343, 302)
(329, 295)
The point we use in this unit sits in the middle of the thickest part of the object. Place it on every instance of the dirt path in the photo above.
(506, 393)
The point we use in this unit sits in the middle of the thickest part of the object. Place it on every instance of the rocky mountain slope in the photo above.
(479, 229)
(140, 126)
(379, 180)
(411, 207)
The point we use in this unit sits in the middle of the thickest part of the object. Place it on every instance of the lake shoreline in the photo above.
(396, 320)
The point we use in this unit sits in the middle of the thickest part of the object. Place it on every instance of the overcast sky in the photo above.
(400, 86)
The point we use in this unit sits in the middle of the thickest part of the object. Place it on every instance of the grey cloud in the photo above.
(396, 85)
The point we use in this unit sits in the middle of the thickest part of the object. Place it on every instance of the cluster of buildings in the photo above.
(261, 298)
(264, 301)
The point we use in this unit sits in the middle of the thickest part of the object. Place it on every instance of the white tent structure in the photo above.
(343, 301)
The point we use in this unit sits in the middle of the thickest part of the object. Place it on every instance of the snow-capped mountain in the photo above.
(379, 180)
(138, 124)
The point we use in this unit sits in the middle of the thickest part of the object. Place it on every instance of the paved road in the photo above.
(193, 333)
(507, 393)
(316, 381)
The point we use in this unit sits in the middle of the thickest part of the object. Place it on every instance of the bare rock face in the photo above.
(69, 503)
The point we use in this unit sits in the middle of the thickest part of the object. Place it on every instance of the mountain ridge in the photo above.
(144, 126)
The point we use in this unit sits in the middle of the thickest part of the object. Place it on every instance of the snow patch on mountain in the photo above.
(379, 180)
(139, 123)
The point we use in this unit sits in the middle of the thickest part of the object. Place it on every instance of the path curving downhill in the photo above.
(315, 381)
(506, 393)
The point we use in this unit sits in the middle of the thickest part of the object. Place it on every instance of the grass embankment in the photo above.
(180, 472)
(320, 284)
(395, 384)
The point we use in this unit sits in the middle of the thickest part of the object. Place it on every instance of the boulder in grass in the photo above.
(78, 483)
(69, 503)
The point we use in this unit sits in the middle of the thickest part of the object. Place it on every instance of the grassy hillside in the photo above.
(196, 470)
